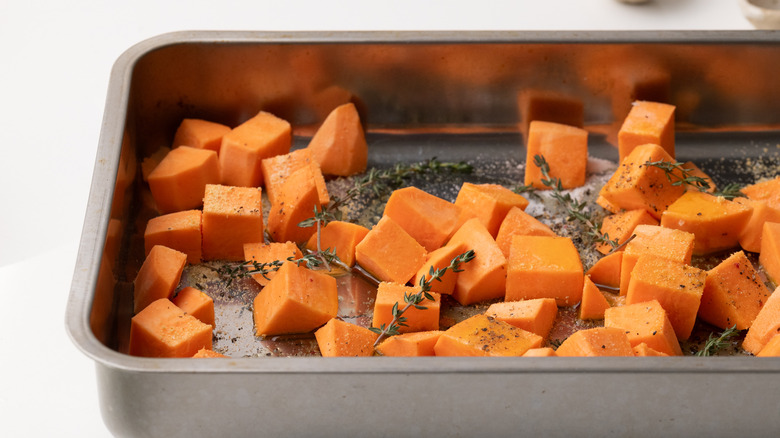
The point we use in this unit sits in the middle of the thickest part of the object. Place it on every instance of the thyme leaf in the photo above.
(679, 175)
(714, 344)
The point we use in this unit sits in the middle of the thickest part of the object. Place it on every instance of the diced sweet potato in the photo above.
(206, 353)
(695, 171)
(540, 352)
(606, 270)
(647, 122)
(163, 330)
(232, 216)
(158, 277)
(564, 148)
(772, 348)
(427, 218)
(410, 344)
(390, 253)
(769, 258)
(750, 238)
(676, 286)
(643, 350)
(544, 267)
(440, 259)
(645, 323)
(593, 304)
(245, 146)
(195, 303)
(338, 338)
(268, 253)
(201, 134)
(484, 277)
(620, 226)
(179, 181)
(536, 316)
(672, 244)
(519, 223)
(339, 145)
(765, 326)
(296, 300)
(733, 293)
(277, 169)
(179, 231)
(768, 191)
(600, 341)
(715, 222)
(341, 237)
(296, 200)
(488, 202)
(482, 335)
(417, 320)
(152, 161)
(549, 106)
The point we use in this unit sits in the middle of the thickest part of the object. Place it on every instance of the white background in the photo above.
(55, 59)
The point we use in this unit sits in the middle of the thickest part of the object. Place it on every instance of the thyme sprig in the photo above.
(249, 267)
(574, 210)
(715, 344)
(679, 175)
(414, 299)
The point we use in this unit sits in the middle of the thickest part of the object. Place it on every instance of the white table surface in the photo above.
(55, 60)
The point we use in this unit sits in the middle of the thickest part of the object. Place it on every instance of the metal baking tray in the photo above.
(456, 96)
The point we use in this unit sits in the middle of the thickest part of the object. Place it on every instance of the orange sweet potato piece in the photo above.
(593, 304)
(676, 286)
(296, 300)
(341, 237)
(390, 253)
(715, 221)
(484, 277)
(733, 293)
(769, 257)
(417, 320)
(158, 277)
(232, 216)
(621, 226)
(544, 267)
(277, 169)
(245, 146)
(439, 259)
(600, 341)
(673, 244)
(549, 106)
(206, 353)
(268, 253)
(645, 323)
(606, 270)
(410, 344)
(768, 191)
(765, 326)
(163, 330)
(179, 181)
(750, 237)
(339, 145)
(195, 303)
(564, 148)
(482, 335)
(636, 185)
(152, 161)
(179, 231)
(536, 316)
(772, 348)
(488, 202)
(647, 122)
(643, 350)
(427, 218)
(338, 338)
(201, 134)
(519, 223)
(296, 200)
(540, 352)
(695, 171)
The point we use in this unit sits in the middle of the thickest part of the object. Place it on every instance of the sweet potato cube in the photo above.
(277, 169)
(715, 221)
(768, 191)
(489, 202)
(338, 338)
(341, 237)
(245, 146)
(482, 335)
(540, 352)
(519, 223)
(163, 330)
(772, 348)
(389, 295)
(695, 171)
(536, 316)
(196, 303)
(232, 216)
(179, 231)
(733, 293)
(484, 277)
(296, 300)
(672, 244)
(201, 134)
(769, 257)
(152, 161)
(549, 106)
(268, 253)
(593, 304)
(620, 226)
(440, 259)
(643, 350)
(544, 267)
(765, 326)
(564, 148)
(208, 354)
(750, 237)
(339, 145)
(158, 277)
(645, 323)
(637, 185)
(676, 286)
(647, 122)
(390, 253)
(410, 344)
(179, 181)
(296, 200)
(600, 341)
(606, 270)
(427, 218)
